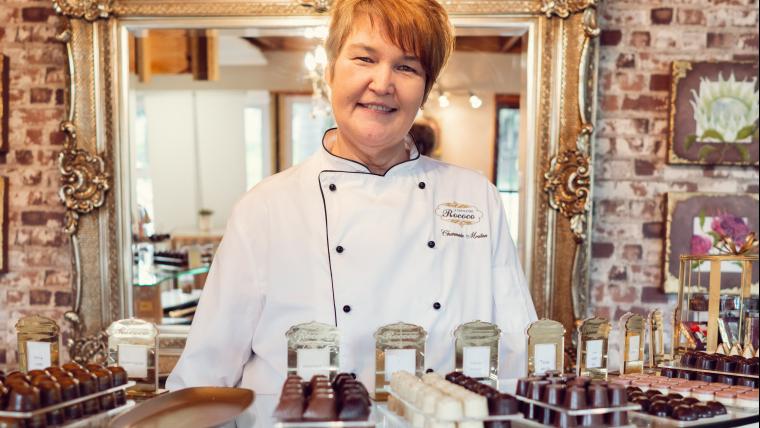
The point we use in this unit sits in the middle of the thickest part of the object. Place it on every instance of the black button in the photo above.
(353, 375)
(421, 185)
(332, 187)
(429, 371)
(431, 244)
(436, 306)
(339, 249)
(346, 309)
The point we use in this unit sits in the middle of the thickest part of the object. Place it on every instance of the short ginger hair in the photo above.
(420, 27)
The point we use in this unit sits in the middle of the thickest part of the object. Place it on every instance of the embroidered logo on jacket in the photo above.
(457, 213)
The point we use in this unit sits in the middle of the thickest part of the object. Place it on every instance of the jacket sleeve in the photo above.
(220, 340)
(512, 305)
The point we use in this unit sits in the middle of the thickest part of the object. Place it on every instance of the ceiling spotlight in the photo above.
(443, 100)
(475, 101)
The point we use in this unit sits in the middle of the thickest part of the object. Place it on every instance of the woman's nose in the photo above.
(382, 80)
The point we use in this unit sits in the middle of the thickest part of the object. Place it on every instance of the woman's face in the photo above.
(377, 89)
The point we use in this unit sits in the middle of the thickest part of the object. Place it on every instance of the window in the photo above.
(301, 131)
(507, 158)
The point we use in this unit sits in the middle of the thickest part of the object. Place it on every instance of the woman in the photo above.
(366, 232)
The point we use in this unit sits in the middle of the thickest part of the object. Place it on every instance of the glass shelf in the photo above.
(155, 277)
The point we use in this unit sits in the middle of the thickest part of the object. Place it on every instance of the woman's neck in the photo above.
(378, 161)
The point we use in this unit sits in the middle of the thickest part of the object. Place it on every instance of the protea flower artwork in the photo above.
(725, 111)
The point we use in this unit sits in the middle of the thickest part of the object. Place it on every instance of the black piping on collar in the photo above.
(361, 164)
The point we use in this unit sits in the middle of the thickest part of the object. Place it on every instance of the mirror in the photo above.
(198, 141)
(174, 114)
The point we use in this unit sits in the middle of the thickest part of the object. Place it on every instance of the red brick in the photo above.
(626, 61)
(753, 188)
(24, 157)
(750, 41)
(59, 97)
(659, 82)
(602, 250)
(40, 95)
(746, 57)
(63, 299)
(721, 40)
(641, 39)
(653, 295)
(631, 82)
(3, 358)
(31, 178)
(691, 17)
(643, 167)
(34, 136)
(632, 252)
(618, 273)
(33, 218)
(653, 229)
(610, 37)
(14, 296)
(39, 297)
(662, 16)
(57, 138)
(645, 103)
(610, 103)
(36, 14)
(622, 293)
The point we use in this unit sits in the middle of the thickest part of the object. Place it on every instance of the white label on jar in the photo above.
(545, 358)
(397, 360)
(476, 361)
(594, 354)
(313, 361)
(633, 348)
(134, 359)
(37, 355)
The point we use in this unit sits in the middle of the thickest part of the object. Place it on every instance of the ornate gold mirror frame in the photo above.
(565, 48)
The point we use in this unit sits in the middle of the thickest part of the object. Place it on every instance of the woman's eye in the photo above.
(364, 59)
(407, 68)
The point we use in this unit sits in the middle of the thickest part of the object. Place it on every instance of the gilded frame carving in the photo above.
(566, 56)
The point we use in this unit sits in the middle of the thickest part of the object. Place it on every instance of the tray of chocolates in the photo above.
(567, 400)
(62, 396)
(321, 403)
(438, 401)
(728, 369)
(685, 404)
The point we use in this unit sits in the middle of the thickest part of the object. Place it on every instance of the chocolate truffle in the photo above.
(660, 409)
(684, 413)
(716, 408)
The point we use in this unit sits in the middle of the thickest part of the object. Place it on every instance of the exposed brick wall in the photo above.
(639, 41)
(39, 272)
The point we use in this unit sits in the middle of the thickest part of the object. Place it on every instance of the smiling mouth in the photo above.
(378, 108)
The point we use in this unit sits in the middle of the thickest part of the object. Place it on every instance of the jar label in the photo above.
(37, 355)
(476, 361)
(134, 359)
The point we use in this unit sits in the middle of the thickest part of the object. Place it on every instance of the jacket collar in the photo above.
(333, 162)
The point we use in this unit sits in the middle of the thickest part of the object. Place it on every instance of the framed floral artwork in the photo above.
(696, 223)
(713, 113)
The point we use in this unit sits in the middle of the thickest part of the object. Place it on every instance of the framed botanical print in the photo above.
(696, 223)
(713, 113)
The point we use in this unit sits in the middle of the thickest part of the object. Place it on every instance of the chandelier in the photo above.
(316, 65)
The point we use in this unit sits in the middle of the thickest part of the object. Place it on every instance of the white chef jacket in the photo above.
(426, 243)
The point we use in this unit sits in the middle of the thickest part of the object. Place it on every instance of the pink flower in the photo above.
(731, 226)
(700, 245)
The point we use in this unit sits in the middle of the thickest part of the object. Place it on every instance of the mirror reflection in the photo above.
(213, 112)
